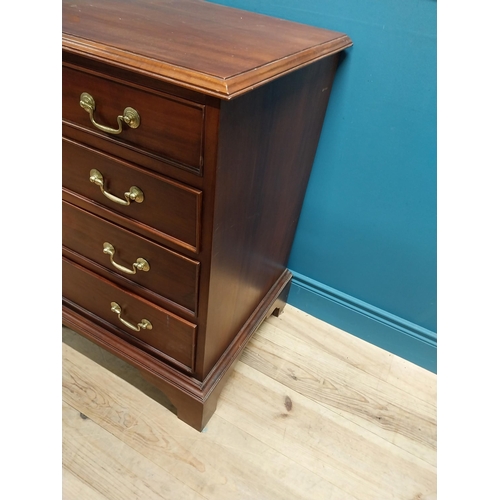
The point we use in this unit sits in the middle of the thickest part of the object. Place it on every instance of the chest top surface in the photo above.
(210, 48)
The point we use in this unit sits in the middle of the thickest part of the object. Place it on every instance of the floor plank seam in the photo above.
(75, 474)
(340, 415)
(324, 448)
(340, 412)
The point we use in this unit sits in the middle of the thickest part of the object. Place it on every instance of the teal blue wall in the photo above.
(364, 256)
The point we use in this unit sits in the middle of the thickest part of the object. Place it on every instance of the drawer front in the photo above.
(169, 128)
(168, 206)
(169, 336)
(158, 269)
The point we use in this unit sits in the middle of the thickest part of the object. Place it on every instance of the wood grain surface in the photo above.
(270, 438)
(215, 49)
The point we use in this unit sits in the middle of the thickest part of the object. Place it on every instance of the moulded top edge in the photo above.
(225, 88)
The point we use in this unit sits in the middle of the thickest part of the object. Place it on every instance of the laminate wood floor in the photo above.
(310, 412)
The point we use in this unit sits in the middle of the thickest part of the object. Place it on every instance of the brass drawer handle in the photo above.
(134, 194)
(143, 325)
(130, 115)
(140, 264)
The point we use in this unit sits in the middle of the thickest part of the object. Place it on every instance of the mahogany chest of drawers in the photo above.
(189, 131)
